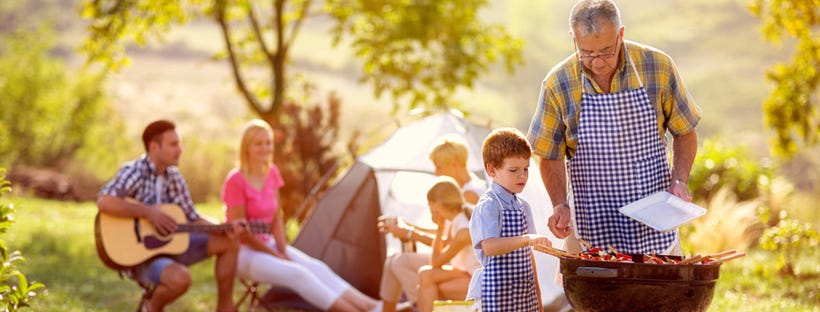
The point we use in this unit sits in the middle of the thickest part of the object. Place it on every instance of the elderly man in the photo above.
(602, 118)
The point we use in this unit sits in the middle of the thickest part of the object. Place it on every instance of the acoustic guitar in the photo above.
(123, 243)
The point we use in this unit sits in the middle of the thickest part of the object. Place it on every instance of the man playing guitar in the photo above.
(152, 180)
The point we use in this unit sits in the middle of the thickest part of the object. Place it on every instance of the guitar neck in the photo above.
(203, 228)
(255, 227)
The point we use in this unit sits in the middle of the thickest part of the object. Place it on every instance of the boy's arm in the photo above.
(495, 246)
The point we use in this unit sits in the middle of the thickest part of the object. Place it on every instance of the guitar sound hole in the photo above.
(153, 242)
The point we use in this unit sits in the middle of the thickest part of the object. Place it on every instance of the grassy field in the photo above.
(58, 240)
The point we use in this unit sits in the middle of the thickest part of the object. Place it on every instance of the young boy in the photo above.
(502, 228)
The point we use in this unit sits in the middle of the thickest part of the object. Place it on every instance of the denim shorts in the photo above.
(149, 272)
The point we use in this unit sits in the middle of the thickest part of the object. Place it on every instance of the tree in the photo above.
(791, 110)
(424, 50)
(420, 52)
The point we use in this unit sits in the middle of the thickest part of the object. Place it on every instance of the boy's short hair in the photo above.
(153, 132)
(450, 149)
(504, 143)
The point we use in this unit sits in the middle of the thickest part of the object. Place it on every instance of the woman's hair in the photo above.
(449, 150)
(447, 192)
(504, 143)
(586, 16)
(250, 129)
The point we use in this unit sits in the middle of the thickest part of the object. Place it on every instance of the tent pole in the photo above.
(315, 189)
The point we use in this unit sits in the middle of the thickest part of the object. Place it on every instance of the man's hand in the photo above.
(559, 222)
(164, 224)
(238, 227)
(680, 189)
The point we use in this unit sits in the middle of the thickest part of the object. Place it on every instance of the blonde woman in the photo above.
(250, 193)
(449, 157)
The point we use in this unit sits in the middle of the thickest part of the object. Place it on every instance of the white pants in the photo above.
(401, 274)
(310, 278)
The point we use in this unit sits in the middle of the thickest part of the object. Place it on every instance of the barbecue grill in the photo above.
(618, 286)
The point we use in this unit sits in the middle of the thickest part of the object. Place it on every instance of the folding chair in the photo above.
(146, 289)
(252, 295)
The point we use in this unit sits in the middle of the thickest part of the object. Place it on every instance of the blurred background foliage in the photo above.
(791, 110)
(53, 117)
(720, 165)
(419, 53)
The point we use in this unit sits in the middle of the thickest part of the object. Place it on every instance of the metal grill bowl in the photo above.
(612, 286)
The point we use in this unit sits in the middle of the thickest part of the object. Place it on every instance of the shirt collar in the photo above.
(149, 166)
(504, 195)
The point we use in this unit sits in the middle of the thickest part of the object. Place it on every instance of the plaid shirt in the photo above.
(138, 178)
(554, 129)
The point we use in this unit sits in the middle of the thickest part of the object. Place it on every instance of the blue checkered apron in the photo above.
(620, 159)
(509, 282)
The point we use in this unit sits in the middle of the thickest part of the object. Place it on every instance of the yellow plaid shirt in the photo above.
(554, 128)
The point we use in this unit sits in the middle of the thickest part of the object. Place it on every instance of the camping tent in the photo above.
(392, 179)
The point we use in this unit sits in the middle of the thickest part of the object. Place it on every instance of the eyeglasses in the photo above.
(602, 56)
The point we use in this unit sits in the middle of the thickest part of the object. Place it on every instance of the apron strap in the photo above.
(635, 69)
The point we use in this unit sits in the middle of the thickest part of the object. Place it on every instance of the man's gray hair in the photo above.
(586, 16)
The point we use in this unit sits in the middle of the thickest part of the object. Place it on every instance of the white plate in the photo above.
(662, 211)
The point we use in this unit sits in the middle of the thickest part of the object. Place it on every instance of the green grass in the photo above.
(752, 284)
(58, 241)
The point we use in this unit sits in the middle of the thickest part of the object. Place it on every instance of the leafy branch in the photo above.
(15, 290)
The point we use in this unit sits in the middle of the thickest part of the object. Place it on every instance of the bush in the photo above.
(728, 224)
(52, 117)
(305, 151)
(737, 189)
(717, 166)
(790, 239)
(15, 290)
(218, 156)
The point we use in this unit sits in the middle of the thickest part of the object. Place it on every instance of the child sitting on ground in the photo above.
(453, 261)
